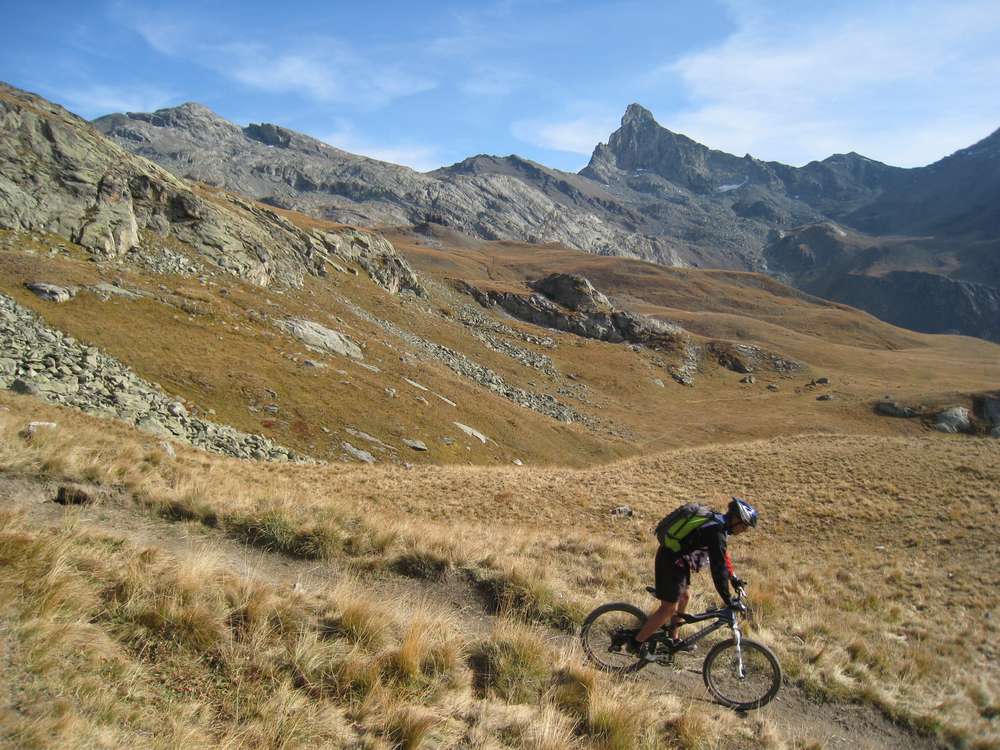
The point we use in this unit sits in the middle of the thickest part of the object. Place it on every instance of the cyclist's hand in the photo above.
(739, 582)
(738, 605)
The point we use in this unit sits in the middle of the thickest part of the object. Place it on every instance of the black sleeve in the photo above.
(720, 564)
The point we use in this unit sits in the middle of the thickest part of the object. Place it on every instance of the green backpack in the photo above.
(676, 527)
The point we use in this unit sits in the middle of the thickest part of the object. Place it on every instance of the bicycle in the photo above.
(739, 672)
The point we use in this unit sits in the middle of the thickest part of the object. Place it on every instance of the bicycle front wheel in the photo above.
(606, 633)
(756, 686)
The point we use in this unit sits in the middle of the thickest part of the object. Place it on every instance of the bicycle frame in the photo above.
(723, 618)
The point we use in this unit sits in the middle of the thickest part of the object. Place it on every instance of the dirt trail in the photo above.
(800, 721)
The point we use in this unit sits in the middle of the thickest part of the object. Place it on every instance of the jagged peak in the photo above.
(636, 114)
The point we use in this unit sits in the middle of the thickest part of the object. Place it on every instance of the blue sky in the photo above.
(429, 83)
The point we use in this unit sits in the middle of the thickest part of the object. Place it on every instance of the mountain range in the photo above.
(917, 247)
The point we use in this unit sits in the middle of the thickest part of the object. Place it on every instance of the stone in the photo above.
(446, 400)
(658, 382)
(517, 462)
(105, 291)
(624, 511)
(168, 448)
(320, 337)
(748, 380)
(417, 385)
(24, 387)
(313, 363)
(390, 392)
(772, 387)
(471, 432)
(892, 409)
(177, 409)
(417, 445)
(825, 397)
(822, 381)
(953, 419)
(69, 494)
(51, 292)
(360, 455)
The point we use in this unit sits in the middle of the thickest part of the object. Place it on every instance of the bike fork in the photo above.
(737, 636)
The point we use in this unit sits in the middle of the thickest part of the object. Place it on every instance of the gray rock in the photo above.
(22, 386)
(51, 292)
(952, 420)
(390, 392)
(749, 380)
(893, 409)
(517, 462)
(624, 511)
(825, 397)
(772, 387)
(168, 449)
(471, 432)
(360, 455)
(417, 445)
(106, 291)
(822, 381)
(658, 382)
(320, 337)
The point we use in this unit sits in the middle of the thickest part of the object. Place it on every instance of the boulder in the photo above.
(320, 337)
(892, 409)
(360, 455)
(572, 291)
(471, 432)
(953, 419)
(624, 511)
(825, 397)
(51, 292)
(417, 445)
(22, 386)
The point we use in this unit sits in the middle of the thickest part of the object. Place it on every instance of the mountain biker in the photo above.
(686, 536)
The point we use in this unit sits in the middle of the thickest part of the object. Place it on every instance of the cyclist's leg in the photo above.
(669, 577)
(682, 603)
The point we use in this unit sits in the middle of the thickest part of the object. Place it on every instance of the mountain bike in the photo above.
(739, 672)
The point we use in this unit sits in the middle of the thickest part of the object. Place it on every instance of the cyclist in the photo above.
(686, 536)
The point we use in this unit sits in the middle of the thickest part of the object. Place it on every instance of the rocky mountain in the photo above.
(647, 193)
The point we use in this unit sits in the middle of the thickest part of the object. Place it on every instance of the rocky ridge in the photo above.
(647, 193)
(59, 175)
(42, 361)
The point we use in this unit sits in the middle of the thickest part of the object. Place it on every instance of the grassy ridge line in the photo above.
(850, 622)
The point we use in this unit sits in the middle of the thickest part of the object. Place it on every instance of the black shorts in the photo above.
(672, 575)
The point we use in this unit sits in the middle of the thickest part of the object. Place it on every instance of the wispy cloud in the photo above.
(321, 68)
(802, 89)
(93, 99)
(420, 157)
(577, 135)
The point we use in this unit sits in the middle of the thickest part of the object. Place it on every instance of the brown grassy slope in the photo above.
(873, 357)
(872, 569)
(214, 346)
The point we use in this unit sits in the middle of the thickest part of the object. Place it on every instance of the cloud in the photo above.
(903, 84)
(416, 156)
(577, 136)
(92, 99)
(322, 68)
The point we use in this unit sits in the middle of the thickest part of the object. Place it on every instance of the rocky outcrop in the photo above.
(953, 419)
(321, 338)
(38, 360)
(59, 175)
(568, 302)
(893, 409)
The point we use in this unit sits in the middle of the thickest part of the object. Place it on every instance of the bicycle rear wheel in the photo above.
(606, 633)
(757, 686)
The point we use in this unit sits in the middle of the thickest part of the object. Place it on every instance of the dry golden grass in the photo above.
(871, 571)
